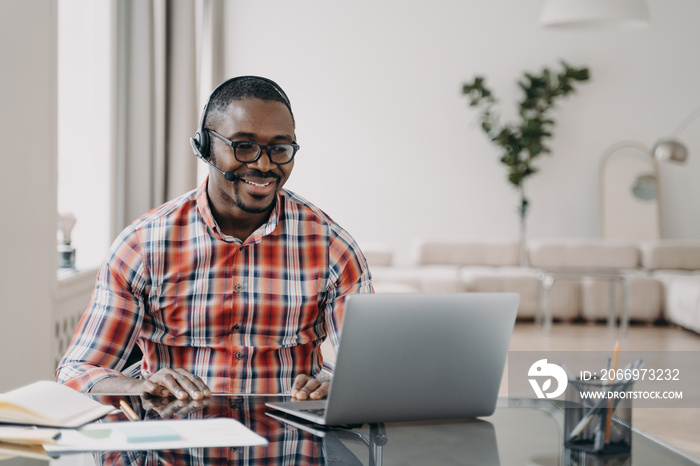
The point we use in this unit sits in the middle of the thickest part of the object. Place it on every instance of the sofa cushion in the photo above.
(425, 279)
(682, 299)
(644, 299)
(670, 254)
(394, 287)
(523, 280)
(468, 252)
(583, 254)
(377, 255)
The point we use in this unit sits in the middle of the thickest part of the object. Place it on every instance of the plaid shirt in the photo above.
(245, 317)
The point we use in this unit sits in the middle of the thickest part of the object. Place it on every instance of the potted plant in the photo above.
(522, 141)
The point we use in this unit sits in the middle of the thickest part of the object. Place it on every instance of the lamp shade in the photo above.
(671, 150)
(595, 14)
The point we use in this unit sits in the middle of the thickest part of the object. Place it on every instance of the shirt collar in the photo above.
(202, 200)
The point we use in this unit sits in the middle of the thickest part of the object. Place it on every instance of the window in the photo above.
(85, 121)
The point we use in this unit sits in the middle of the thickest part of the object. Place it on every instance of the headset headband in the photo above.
(200, 140)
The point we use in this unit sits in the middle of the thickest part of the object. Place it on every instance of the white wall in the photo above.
(27, 189)
(390, 148)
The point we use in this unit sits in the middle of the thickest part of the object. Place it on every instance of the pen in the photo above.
(608, 419)
(600, 433)
(128, 412)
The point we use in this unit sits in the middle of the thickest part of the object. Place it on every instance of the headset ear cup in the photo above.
(203, 143)
(196, 145)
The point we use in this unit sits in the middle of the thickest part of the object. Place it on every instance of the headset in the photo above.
(200, 141)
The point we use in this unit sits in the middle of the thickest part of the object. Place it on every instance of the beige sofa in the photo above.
(676, 265)
(663, 276)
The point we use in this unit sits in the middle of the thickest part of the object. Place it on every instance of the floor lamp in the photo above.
(594, 14)
(644, 187)
(671, 149)
(629, 192)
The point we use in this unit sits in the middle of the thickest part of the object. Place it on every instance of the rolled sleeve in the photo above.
(108, 329)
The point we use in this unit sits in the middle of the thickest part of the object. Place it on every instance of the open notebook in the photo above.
(47, 403)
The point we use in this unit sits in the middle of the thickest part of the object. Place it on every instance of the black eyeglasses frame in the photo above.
(261, 147)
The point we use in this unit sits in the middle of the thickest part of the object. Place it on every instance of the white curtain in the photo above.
(168, 59)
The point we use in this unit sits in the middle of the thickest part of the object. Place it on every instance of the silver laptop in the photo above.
(410, 357)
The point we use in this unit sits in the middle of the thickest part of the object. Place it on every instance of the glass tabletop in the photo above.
(520, 432)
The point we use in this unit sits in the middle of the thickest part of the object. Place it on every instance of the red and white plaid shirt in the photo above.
(245, 317)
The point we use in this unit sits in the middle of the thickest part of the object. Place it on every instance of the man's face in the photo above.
(256, 184)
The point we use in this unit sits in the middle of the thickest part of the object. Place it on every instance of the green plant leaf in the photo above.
(524, 141)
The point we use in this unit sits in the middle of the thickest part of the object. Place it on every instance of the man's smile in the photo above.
(259, 185)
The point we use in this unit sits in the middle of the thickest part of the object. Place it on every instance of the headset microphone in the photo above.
(230, 176)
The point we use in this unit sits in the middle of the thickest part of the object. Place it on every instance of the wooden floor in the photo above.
(678, 427)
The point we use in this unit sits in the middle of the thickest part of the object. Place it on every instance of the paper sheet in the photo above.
(193, 433)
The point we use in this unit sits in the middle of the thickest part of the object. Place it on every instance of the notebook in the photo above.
(410, 357)
(48, 403)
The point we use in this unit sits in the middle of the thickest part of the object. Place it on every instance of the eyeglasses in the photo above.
(249, 152)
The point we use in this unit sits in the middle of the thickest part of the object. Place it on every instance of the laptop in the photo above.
(411, 357)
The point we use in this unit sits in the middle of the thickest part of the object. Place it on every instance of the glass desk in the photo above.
(522, 432)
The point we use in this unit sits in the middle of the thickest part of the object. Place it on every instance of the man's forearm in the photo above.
(118, 384)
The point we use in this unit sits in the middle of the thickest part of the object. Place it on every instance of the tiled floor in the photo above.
(678, 427)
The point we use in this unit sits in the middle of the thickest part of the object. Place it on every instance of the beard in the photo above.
(237, 198)
(252, 209)
(248, 208)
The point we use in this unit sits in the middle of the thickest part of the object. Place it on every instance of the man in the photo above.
(231, 287)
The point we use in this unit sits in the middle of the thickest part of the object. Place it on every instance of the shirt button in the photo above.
(238, 287)
(239, 355)
(236, 327)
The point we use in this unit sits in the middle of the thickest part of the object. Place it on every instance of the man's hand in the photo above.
(168, 408)
(306, 387)
(176, 382)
